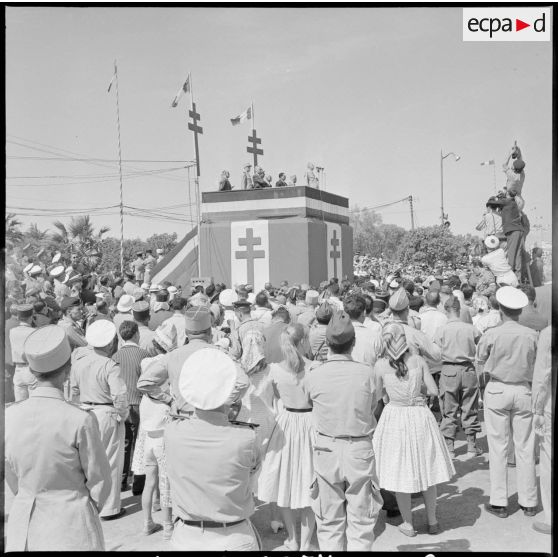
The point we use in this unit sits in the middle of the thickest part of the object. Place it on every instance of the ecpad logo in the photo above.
(506, 24)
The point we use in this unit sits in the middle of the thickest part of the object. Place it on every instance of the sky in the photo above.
(371, 94)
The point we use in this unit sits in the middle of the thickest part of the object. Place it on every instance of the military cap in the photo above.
(172, 289)
(198, 319)
(125, 303)
(312, 297)
(100, 333)
(227, 297)
(28, 268)
(145, 286)
(382, 295)
(379, 305)
(24, 310)
(340, 329)
(491, 242)
(399, 300)
(56, 257)
(129, 274)
(140, 310)
(57, 271)
(138, 293)
(511, 298)
(241, 304)
(70, 301)
(154, 288)
(47, 349)
(159, 250)
(207, 378)
(74, 278)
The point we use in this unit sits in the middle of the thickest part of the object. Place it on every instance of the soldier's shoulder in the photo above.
(15, 405)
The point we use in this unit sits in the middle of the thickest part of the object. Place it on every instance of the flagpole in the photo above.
(197, 182)
(120, 173)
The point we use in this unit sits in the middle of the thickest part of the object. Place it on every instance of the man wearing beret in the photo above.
(343, 393)
(211, 495)
(507, 354)
(64, 480)
(24, 381)
(96, 383)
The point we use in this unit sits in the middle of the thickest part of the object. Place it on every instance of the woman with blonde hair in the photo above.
(287, 470)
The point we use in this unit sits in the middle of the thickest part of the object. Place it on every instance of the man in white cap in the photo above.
(96, 383)
(55, 461)
(497, 261)
(61, 290)
(159, 255)
(124, 313)
(212, 497)
(140, 313)
(24, 381)
(507, 354)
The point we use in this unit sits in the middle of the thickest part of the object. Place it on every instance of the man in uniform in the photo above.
(159, 255)
(542, 409)
(24, 381)
(96, 383)
(61, 484)
(212, 496)
(507, 354)
(459, 384)
(343, 393)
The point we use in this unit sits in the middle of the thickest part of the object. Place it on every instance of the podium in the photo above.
(298, 234)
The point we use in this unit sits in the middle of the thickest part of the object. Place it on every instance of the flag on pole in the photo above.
(184, 89)
(484, 163)
(246, 115)
(112, 80)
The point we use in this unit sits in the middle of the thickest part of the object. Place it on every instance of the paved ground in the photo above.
(466, 526)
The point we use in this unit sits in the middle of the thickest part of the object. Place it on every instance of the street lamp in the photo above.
(443, 216)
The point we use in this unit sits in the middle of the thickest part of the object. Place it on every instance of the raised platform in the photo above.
(274, 203)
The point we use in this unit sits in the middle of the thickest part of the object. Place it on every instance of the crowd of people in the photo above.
(326, 402)
(260, 179)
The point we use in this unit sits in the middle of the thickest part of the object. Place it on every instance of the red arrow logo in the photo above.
(519, 25)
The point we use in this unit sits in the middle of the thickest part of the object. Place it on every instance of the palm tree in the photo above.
(13, 233)
(36, 237)
(81, 238)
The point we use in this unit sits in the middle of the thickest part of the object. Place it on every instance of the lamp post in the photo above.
(442, 157)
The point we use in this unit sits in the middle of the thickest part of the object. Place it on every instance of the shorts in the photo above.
(154, 456)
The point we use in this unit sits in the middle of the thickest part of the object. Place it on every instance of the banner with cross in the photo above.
(334, 251)
(194, 115)
(250, 253)
(254, 140)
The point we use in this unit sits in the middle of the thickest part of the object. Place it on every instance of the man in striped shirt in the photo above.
(129, 358)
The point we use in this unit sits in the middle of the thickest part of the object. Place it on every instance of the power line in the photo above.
(97, 159)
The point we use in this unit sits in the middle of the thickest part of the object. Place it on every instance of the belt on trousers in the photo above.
(462, 363)
(345, 437)
(309, 410)
(210, 524)
(91, 403)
